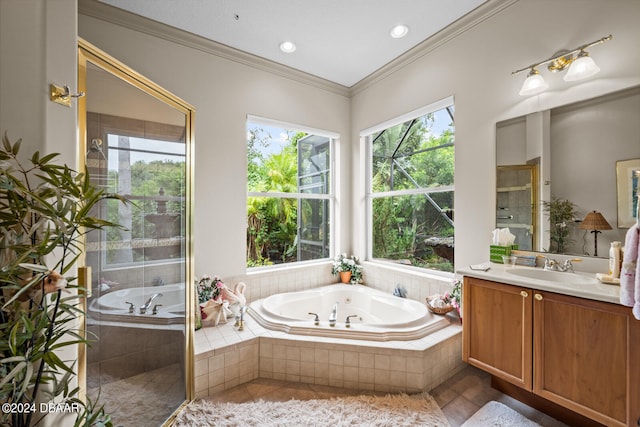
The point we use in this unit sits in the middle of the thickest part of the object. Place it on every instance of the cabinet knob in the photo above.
(538, 297)
(524, 294)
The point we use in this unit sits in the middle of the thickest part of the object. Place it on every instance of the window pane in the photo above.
(272, 156)
(272, 230)
(411, 230)
(414, 154)
(314, 160)
(314, 229)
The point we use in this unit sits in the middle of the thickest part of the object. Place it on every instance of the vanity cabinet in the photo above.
(580, 354)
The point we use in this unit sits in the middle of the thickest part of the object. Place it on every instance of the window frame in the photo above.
(334, 139)
(365, 137)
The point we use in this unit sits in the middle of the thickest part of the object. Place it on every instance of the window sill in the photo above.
(291, 267)
(408, 269)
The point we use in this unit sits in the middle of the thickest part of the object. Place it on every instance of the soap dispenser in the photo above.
(614, 259)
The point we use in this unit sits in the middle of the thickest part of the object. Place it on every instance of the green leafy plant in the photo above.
(561, 214)
(45, 209)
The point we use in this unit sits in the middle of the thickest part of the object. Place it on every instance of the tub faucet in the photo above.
(333, 317)
(347, 323)
(144, 307)
(132, 307)
(240, 318)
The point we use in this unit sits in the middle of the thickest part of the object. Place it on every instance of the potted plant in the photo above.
(561, 214)
(45, 208)
(348, 268)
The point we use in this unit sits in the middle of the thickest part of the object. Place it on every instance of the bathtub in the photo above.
(113, 308)
(380, 316)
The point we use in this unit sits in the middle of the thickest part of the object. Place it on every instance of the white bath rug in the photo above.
(375, 411)
(496, 414)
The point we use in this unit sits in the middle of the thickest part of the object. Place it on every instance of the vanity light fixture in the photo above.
(595, 222)
(287, 47)
(580, 64)
(399, 31)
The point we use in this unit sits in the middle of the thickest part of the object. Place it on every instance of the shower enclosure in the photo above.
(136, 140)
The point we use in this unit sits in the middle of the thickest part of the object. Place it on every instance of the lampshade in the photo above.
(533, 84)
(581, 68)
(594, 221)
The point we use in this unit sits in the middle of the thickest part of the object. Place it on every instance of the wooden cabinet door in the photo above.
(497, 334)
(582, 356)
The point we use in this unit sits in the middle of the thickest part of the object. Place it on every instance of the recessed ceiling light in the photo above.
(287, 47)
(399, 31)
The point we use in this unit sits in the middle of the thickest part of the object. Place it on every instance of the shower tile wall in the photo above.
(121, 352)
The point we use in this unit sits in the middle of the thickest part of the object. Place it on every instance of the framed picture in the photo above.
(628, 179)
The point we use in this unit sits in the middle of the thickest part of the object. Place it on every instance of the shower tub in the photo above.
(113, 307)
(378, 316)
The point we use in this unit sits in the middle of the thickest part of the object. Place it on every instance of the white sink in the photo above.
(554, 276)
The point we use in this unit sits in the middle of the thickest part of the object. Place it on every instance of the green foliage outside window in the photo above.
(414, 155)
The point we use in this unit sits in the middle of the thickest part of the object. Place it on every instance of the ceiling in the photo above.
(342, 41)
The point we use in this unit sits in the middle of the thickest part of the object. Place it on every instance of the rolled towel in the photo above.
(629, 278)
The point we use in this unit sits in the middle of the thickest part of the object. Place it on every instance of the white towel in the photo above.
(630, 272)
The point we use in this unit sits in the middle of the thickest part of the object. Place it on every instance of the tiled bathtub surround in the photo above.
(385, 277)
(226, 357)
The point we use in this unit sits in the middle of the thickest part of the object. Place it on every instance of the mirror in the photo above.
(555, 166)
(136, 139)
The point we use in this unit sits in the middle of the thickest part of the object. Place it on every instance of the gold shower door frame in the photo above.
(533, 170)
(88, 53)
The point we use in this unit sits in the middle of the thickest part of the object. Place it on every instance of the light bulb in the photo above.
(287, 47)
(399, 31)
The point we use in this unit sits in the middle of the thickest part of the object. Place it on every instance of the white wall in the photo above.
(38, 47)
(476, 69)
(223, 93)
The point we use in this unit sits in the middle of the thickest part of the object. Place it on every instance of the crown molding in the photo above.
(123, 18)
(457, 28)
(108, 13)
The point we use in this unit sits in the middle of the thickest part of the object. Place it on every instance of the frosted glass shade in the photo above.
(582, 68)
(533, 85)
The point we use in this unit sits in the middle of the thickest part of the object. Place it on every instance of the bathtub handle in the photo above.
(132, 307)
(316, 320)
(155, 308)
(347, 323)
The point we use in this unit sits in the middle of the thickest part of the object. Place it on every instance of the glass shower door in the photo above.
(137, 145)
(516, 203)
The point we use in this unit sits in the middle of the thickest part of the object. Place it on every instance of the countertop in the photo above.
(583, 287)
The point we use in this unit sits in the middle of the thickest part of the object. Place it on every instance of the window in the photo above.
(410, 191)
(290, 196)
(150, 173)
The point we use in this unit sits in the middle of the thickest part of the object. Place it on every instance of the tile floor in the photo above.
(143, 400)
(459, 398)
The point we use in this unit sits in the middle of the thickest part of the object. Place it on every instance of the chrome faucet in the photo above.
(144, 307)
(553, 265)
(567, 266)
(333, 317)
